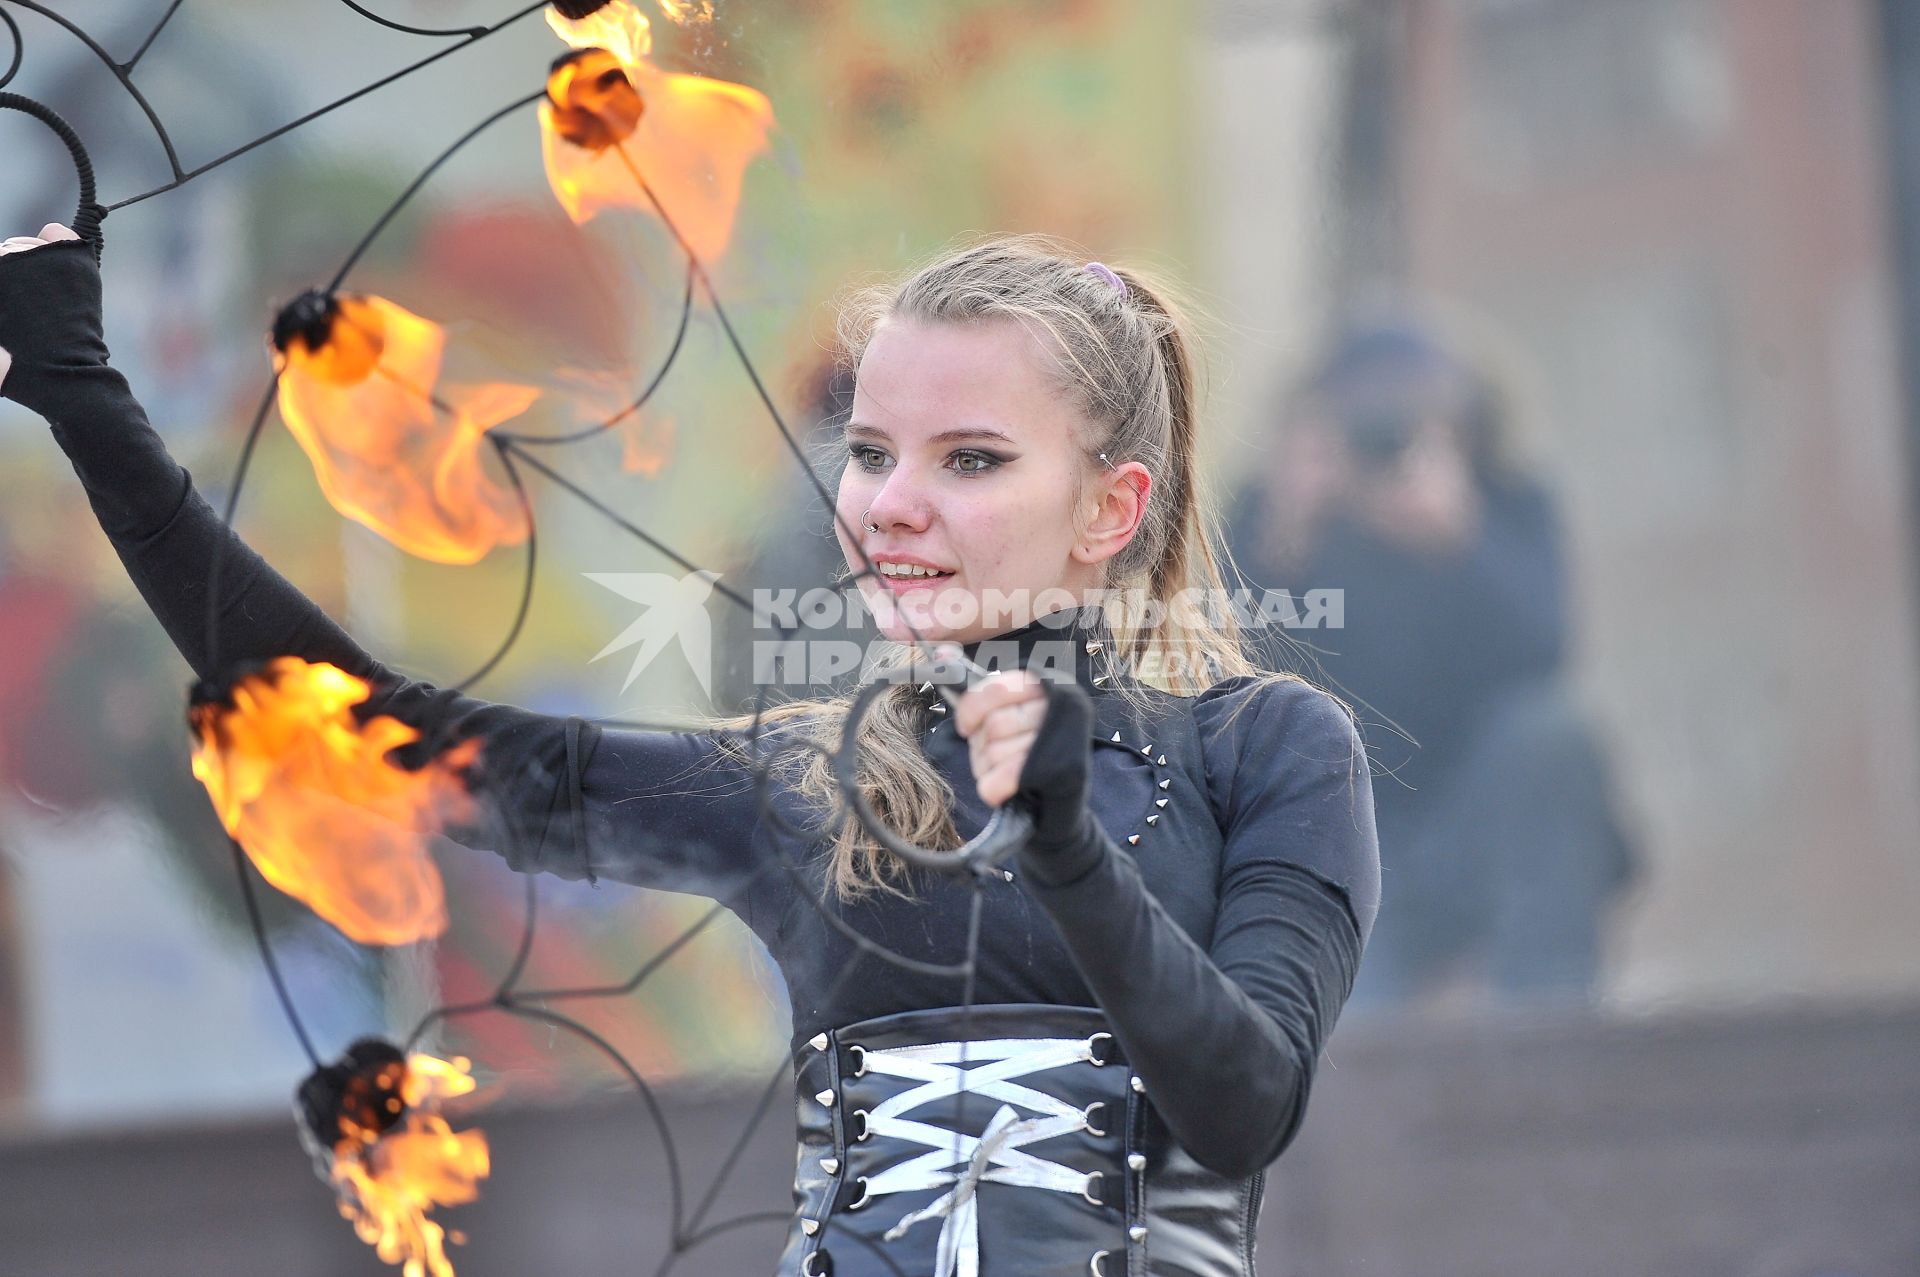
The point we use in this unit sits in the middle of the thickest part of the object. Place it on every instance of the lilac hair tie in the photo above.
(1105, 272)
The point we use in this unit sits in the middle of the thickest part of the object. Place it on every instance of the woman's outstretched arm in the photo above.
(146, 503)
(1225, 1037)
(663, 808)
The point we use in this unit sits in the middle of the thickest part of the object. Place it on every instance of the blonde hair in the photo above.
(1125, 358)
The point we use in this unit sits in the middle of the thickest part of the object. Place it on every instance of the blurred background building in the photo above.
(1681, 236)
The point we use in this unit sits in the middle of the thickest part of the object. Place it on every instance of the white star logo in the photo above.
(676, 607)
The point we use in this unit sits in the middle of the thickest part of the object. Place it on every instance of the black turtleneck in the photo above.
(1213, 904)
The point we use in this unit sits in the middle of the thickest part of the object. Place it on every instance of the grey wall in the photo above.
(1765, 1145)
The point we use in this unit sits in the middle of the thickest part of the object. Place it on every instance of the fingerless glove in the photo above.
(1067, 841)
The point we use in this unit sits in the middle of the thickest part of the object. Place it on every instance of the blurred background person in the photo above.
(1394, 479)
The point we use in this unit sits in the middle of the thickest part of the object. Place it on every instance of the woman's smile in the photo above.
(905, 574)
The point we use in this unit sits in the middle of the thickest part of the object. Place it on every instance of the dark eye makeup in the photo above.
(979, 461)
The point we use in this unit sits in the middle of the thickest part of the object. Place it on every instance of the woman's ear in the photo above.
(1119, 504)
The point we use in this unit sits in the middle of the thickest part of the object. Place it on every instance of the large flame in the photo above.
(393, 449)
(309, 794)
(389, 1179)
(612, 119)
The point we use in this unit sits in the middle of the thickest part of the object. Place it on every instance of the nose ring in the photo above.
(866, 521)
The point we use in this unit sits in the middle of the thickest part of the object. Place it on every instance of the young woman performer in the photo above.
(1157, 973)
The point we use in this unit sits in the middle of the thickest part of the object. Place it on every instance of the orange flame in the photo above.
(358, 390)
(389, 1182)
(689, 137)
(308, 793)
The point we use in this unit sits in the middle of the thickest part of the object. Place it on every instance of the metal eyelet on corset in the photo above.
(1087, 1115)
(862, 1070)
(1093, 1054)
(861, 1200)
(861, 1138)
(1086, 1188)
(826, 1270)
(1095, 1265)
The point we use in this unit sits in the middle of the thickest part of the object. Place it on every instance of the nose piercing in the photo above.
(865, 517)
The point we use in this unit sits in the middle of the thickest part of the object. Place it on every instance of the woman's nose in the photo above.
(899, 504)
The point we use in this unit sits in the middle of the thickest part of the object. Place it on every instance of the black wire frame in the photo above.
(687, 1230)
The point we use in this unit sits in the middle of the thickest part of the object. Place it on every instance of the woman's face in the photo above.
(966, 454)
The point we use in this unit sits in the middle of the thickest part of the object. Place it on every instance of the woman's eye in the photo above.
(965, 461)
(986, 461)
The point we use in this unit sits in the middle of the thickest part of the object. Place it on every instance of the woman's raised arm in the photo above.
(565, 796)
(1226, 1037)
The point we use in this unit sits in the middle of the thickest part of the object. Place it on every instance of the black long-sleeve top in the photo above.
(1215, 911)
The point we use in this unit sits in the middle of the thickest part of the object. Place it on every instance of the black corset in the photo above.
(1017, 1134)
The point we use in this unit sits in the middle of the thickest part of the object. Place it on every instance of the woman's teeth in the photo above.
(902, 570)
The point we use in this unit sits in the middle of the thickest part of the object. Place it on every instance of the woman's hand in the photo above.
(1031, 738)
(49, 234)
(1000, 718)
(50, 321)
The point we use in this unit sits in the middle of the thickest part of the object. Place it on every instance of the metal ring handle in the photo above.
(88, 214)
(1005, 832)
(19, 48)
